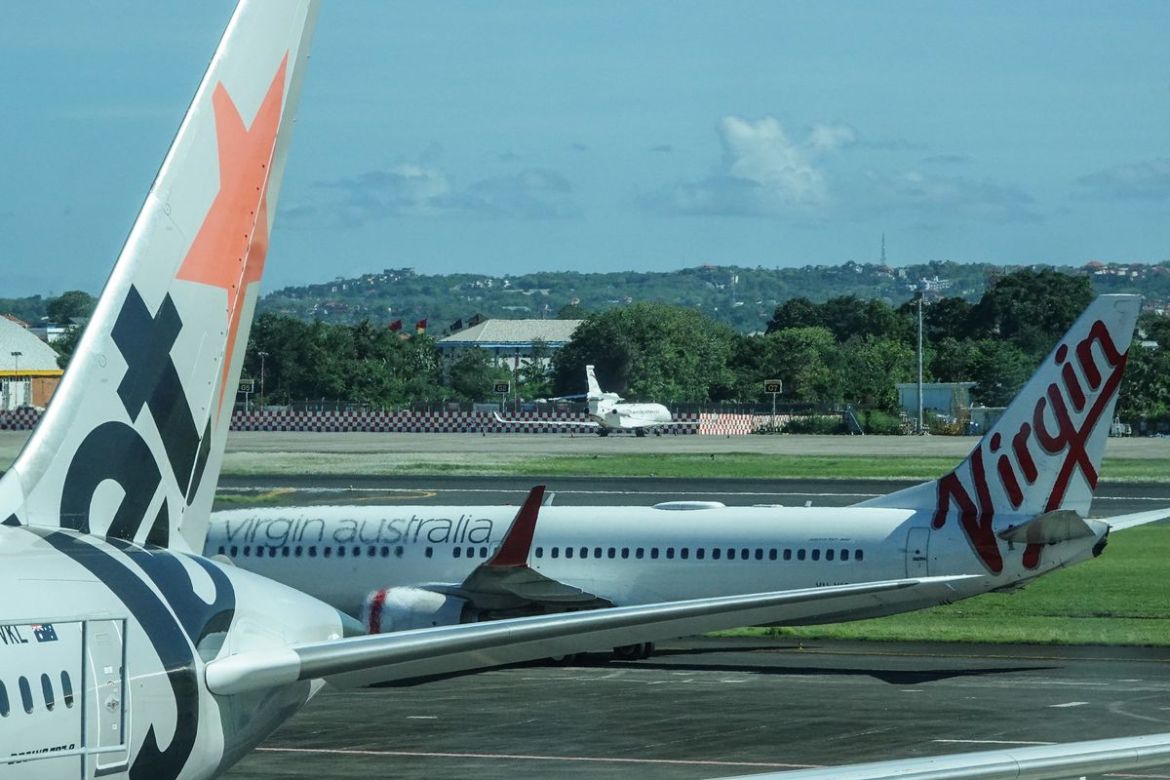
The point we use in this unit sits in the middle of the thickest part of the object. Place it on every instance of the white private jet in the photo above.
(125, 654)
(1013, 511)
(609, 413)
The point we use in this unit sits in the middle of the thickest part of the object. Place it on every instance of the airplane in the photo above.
(1013, 511)
(609, 413)
(124, 653)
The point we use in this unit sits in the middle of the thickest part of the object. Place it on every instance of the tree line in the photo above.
(846, 350)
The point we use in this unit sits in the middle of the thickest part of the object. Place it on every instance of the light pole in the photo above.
(921, 295)
(263, 355)
(16, 378)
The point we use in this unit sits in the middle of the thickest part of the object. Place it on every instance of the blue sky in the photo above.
(509, 138)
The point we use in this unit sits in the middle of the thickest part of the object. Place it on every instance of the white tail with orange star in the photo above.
(131, 445)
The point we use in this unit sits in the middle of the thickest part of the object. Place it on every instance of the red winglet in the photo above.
(517, 542)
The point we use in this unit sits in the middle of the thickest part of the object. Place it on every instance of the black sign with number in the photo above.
(773, 386)
(503, 388)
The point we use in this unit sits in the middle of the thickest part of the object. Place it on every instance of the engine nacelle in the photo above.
(401, 609)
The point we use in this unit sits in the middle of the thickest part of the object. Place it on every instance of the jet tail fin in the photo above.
(591, 381)
(1044, 453)
(132, 443)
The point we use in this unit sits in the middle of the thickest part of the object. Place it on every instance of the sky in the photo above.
(506, 138)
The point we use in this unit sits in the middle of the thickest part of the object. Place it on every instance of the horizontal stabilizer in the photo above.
(448, 649)
(1123, 522)
(1062, 525)
(1040, 762)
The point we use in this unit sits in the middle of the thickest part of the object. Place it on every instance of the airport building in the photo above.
(29, 373)
(513, 343)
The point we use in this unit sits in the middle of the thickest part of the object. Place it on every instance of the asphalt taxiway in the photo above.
(718, 707)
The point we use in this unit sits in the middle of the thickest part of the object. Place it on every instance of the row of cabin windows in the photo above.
(702, 553)
(47, 694)
(340, 551)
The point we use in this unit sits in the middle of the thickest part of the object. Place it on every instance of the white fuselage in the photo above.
(94, 663)
(624, 555)
(616, 415)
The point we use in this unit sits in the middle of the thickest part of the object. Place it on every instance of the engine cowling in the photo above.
(401, 609)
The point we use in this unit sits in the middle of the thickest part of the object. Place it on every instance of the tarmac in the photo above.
(719, 707)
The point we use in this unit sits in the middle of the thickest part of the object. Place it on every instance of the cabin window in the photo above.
(844, 554)
(371, 551)
(482, 552)
(234, 551)
(584, 552)
(47, 692)
(385, 551)
(356, 551)
(857, 556)
(327, 552)
(455, 552)
(568, 552)
(398, 551)
(800, 554)
(670, 553)
(816, 555)
(555, 552)
(829, 554)
(25, 695)
(731, 553)
(684, 553)
(744, 554)
(625, 552)
(611, 552)
(298, 551)
(654, 553)
(340, 552)
(312, 551)
(787, 554)
(221, 550)
(430, 552)
(248, 551)
(772, 554)
(596, 552)
(539, 552)
(3, 701)
(715, 553)
(700, 553)
(66, 691)
(759, 554)
(640, 552)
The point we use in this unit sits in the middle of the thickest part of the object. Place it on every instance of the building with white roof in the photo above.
(29, 373)
(511, 342)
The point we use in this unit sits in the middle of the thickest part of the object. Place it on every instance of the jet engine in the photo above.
(400, 609)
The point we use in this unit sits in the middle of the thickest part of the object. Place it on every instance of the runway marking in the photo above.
(996, 656)
(1067, 704)
(422, 717)
(989, 742)
(527, 757)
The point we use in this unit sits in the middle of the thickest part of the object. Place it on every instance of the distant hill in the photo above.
(742, 297)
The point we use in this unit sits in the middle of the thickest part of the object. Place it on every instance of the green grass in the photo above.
(1120, 598)
(682, 466)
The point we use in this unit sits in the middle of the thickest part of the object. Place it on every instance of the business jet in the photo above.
(125, 654)
(1014, 510)
(609, 413)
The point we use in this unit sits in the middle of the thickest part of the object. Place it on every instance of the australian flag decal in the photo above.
(44, 632)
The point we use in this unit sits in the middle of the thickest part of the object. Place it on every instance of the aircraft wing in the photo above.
(506, 581)
(433, 651)
(1042, 762)
(1125, 522)
(567, 423)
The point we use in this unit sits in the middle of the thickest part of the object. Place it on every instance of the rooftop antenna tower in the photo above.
(883, 248)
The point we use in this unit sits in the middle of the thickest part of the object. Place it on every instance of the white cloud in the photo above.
(1146, 180)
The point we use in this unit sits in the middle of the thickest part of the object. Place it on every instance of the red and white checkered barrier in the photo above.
(422, 422)
(720, 424)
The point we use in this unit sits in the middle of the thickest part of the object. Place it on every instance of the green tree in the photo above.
(873, 368)
(1031, 308)
(649, 351)
(807, 360)
(472, 375)
(71, 305)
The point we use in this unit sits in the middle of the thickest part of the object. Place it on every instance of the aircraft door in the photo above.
(918, 552)
(106, 665)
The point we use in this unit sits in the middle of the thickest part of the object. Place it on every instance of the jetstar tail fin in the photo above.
(1045, 452)
(132, 442)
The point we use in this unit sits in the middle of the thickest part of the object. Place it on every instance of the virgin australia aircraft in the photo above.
(122, 652)
(1013, 511)
(608, 412)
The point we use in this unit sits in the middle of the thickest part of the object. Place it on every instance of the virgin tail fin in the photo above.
(1044, 454)
(132, 443)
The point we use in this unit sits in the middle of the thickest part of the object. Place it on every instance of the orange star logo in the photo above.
(229, 249)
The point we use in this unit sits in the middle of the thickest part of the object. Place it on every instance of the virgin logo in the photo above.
(1037, 449)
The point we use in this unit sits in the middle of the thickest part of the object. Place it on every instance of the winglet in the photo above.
(517, 542)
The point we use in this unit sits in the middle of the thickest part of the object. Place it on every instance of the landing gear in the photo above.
(565, 660)
(602, 432)
(636, 652)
